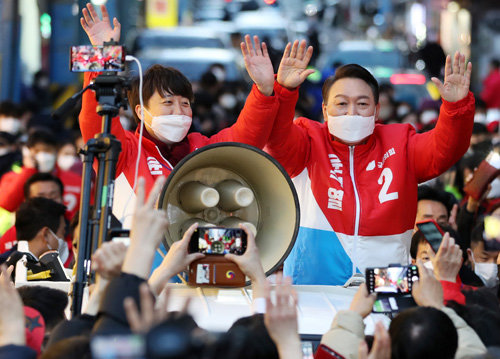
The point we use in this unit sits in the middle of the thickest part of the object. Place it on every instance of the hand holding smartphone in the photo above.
(432, 233)
(218, 241)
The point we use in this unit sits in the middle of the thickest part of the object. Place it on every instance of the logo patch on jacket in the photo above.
(154, 166)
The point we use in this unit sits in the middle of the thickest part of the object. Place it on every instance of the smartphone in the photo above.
(218, 240)
(118, 347)
(119, 235)
(491, 233)
(395, 280)
(432, 233)
(325, 352)
(97, 58)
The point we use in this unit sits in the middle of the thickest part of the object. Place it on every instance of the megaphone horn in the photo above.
(251, 187)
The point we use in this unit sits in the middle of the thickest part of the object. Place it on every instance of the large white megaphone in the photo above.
(252, 188)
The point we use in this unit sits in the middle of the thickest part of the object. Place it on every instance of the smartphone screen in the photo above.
(97, 58)
(389, 280)
(218, 240)
(432, 233)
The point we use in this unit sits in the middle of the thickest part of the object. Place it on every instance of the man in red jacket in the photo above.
(39, 156)
(167, 115)
(491, 86)
(357, 181)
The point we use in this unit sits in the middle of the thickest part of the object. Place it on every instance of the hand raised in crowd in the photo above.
(456, 78)
(452, 220)
(381, 348)
(281, 318)
(150, 314)
(99, 31)
(427, 291)
(11, 312)
(362, 303)
(448, 260)
(250, 264)
(176, 260)
(148, 226)
(293, 66)
(108, 259)
(258, 64)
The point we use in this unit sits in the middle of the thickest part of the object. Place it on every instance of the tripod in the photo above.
(110, 92)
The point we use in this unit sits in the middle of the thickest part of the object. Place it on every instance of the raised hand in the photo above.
(456, 79)
(258, 64)
(381, 348)
(99, 31)
(176, 260)
(293, 66)
(448, 259)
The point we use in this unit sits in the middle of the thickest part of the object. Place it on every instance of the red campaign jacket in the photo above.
(12, 194)
(252, 127)
(358, 203)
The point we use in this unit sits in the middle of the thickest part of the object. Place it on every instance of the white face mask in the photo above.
(170, 128)
(4, 151)
(403, 111)
(11, 125)
(428, 116)
(351, 128)
(480, 118)
(65, 162)
(62, 247)
(488, 272)
(45, 161)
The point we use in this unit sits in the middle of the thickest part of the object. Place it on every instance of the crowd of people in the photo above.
(366, 175)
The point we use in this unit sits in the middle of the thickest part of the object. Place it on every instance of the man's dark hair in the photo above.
(240, 339)
(77, 347)
(41, 135)
(41, 177)
(50, 302)
(9, 109)
(495, 63)
(36, 213)
(423, 332)
(476, 236)
(164, 80)
(433, 194)
(351, 71)
(485, 321)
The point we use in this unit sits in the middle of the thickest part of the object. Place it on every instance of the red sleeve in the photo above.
(253, 126)
(91, 122)
(433, 152)
(288, 142)
(451, 291)
(11, 188)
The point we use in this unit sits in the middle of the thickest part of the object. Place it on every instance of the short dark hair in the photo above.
(476, 236)
(433, 194)
(36, 213)
(41, 135)
(351, 71)
(77, 347)
(41, 177)
(243, 335)
(162, 79)
(423, 332)
(50, 302)
(495, 63)
(9, 108)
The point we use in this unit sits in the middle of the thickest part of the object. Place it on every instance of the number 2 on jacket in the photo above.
(386, 179)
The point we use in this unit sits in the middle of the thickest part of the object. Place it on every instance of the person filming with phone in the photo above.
(167, 113)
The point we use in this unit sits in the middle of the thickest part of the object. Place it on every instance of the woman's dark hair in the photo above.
(351, 71)
(423, 332)
(161, 79)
